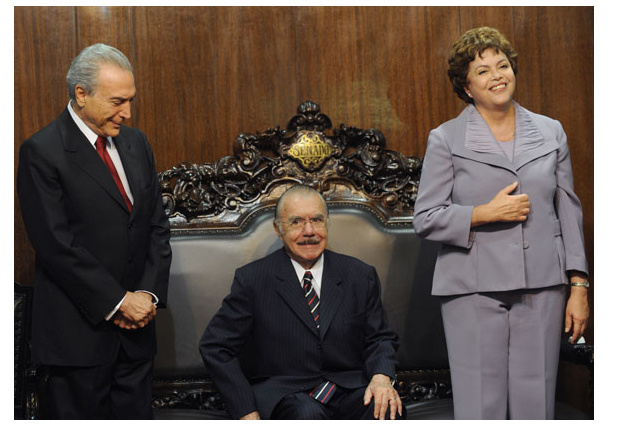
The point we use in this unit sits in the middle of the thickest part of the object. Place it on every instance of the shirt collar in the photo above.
(88, 133)
(316, 270)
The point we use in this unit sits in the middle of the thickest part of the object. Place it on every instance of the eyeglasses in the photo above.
(317, 222)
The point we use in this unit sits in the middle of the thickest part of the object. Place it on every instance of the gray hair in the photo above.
(298, 188)
(85, 67)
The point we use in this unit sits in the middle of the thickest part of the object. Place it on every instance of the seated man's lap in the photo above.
(346, 404)
(300, 406)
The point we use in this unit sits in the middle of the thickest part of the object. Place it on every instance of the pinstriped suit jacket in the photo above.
(267, 305)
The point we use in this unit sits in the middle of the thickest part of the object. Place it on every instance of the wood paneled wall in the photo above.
(206, 74)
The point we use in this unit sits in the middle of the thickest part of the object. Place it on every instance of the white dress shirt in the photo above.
(316, 271)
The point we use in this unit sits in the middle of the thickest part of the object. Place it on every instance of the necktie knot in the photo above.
(100, 144)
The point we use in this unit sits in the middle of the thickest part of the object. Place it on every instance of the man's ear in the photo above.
(80, 95)
(277, 230)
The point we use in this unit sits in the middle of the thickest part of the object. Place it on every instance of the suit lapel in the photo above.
(131, 166)
(477, 142)
(531, 143)
(86, 158)
(290, 289)
(331, 293)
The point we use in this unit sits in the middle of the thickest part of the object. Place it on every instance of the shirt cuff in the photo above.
(155, 298)
(113, 312)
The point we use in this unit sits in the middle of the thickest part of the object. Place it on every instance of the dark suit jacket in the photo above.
(89, 249)
(267, 306)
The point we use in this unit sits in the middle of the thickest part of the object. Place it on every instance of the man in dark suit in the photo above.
(320, 342)
(91, 203)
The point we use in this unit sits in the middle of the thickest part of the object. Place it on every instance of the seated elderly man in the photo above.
(323, 347)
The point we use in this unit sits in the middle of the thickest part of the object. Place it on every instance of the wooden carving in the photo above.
(350, 166)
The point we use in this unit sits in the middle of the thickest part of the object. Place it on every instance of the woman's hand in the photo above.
(577, 313)
(502, 208)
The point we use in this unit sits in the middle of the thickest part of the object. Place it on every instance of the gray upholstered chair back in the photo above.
(203, 267)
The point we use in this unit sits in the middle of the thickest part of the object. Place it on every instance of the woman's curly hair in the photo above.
(465, 49)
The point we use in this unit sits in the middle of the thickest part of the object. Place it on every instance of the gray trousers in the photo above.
(503, 352)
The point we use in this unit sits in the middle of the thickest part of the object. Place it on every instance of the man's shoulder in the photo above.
(46, 141)
(343, 257)
(49, 132)
(344, 260)
(266, 263)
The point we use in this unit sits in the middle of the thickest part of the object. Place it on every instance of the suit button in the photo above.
(130, 226)
(526, 244)
(318, 346)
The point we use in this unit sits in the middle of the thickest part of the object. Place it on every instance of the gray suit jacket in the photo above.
(464, 167)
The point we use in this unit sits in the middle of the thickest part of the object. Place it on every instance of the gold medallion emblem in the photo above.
(310, 149)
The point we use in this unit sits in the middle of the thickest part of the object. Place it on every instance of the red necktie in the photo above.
(100, 145)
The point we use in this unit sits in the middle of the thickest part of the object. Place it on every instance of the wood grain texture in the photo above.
(206, 74)
(45, 40)
(381, 67)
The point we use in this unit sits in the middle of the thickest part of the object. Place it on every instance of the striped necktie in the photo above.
(311, 296)
(324, 391)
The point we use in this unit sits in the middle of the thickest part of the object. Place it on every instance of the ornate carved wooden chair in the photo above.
(221, 217)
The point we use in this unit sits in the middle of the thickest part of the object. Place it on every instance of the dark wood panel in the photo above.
(110, 25)
(105, 24)
(206, 74)
(499, 17)
(381, 67)
(44, 46)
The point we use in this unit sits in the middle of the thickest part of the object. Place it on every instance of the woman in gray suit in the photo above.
(497, 191)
